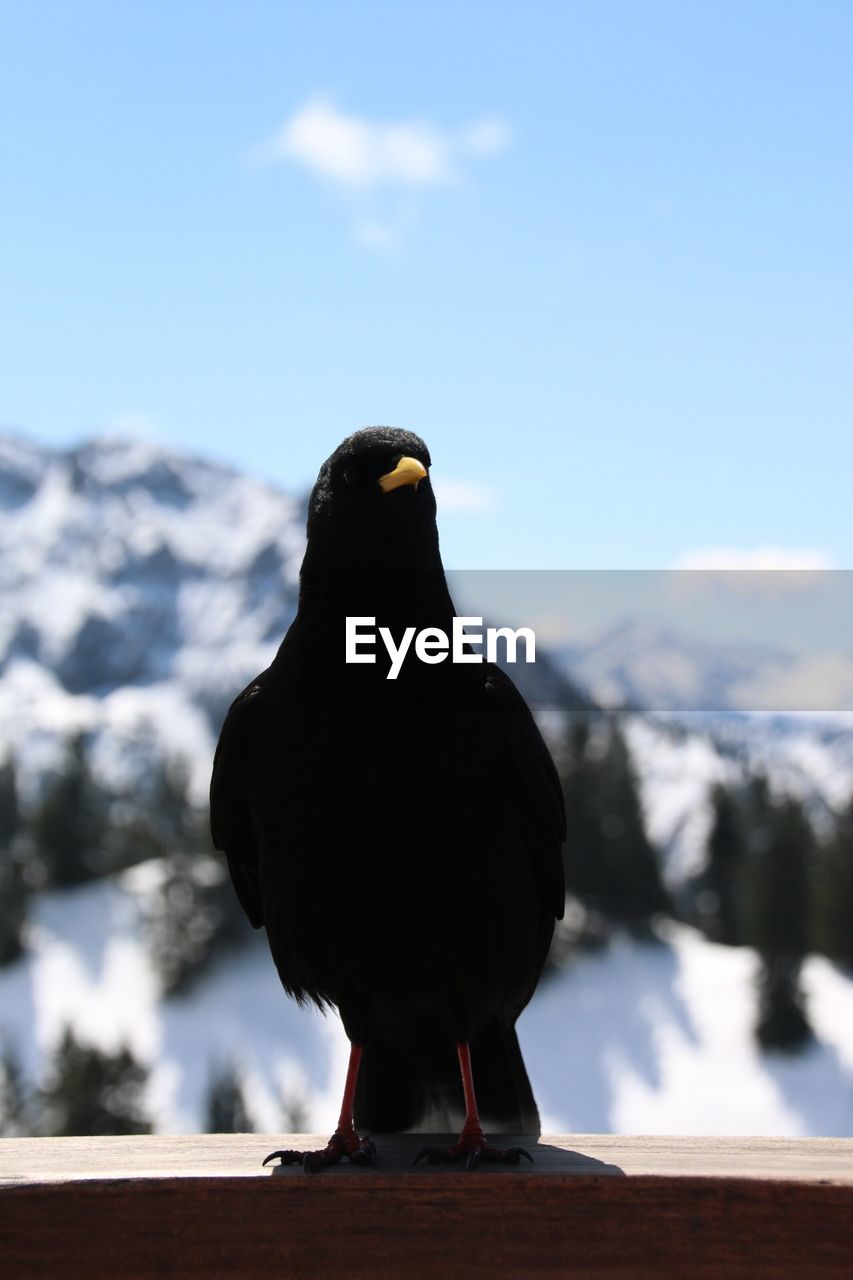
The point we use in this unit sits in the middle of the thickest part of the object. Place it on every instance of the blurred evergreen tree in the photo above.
(194, 913)
(69, 824)
(776, 914)
(226, 1104)
(582, 848)
(92, 1092)
(182, 920)
(295, 1111)
(15, 1121)
(611, 865)
(776, 883)
(10, 811)
(161, 817)
(716, 889)
(782, 1019)
(635, 892)
(833, 905)
(14, 889)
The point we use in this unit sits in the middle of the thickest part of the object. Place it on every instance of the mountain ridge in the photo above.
(143, 587)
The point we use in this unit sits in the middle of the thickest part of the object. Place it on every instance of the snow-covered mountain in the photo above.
(647, 664)
(141, 589)
(668, 670)
(637, 1038)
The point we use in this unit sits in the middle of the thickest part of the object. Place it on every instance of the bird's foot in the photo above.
(344, 1142)
(473, 1149)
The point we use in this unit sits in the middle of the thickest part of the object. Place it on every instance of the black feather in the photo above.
(399, 839)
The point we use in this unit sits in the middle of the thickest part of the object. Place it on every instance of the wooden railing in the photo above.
(590, 1206)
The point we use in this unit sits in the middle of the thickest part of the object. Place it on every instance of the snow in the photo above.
(638, 1038)
(657, 1038)
(678, 760)
(87, 967)
(142, 589)
(135, 726)
(21, 456)
(676, 773)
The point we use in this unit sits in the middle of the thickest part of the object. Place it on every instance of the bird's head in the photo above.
(372, 508)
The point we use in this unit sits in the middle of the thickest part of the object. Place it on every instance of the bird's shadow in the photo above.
(396, 1155)
(550, 1159)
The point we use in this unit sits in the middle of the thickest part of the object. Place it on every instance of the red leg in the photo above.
(344, 1141)
(345, 1118)
(472, 1146)
(472, 1128)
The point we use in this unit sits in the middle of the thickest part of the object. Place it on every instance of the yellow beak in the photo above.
(407, 471)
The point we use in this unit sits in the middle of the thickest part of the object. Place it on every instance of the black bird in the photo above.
(401, 838)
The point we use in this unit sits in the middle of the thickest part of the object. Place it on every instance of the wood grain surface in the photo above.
(590, 1206)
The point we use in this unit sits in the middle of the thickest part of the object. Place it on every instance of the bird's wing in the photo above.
(534, 779)
(231, 823)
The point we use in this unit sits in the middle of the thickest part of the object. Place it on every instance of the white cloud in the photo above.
(757, 558)
(374, 161)
(463, 495)
(352, 150)
(747, 572)
(366, 154)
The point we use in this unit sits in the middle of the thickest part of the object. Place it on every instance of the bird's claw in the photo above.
(357, 1150)
(435, 1155)
(366, 1153)
(512, 1155)
(314, 1161)
(472, 1154)
(286, 1157)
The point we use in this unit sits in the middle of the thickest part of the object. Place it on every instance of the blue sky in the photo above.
(598, 254)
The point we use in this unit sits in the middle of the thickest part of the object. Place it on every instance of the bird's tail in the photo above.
(504, 1096)
(396, 1095)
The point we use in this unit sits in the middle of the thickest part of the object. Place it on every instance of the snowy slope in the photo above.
(658, 1039)
(679, 760)
(635, 1039)
(86, 966)
(141, 589)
